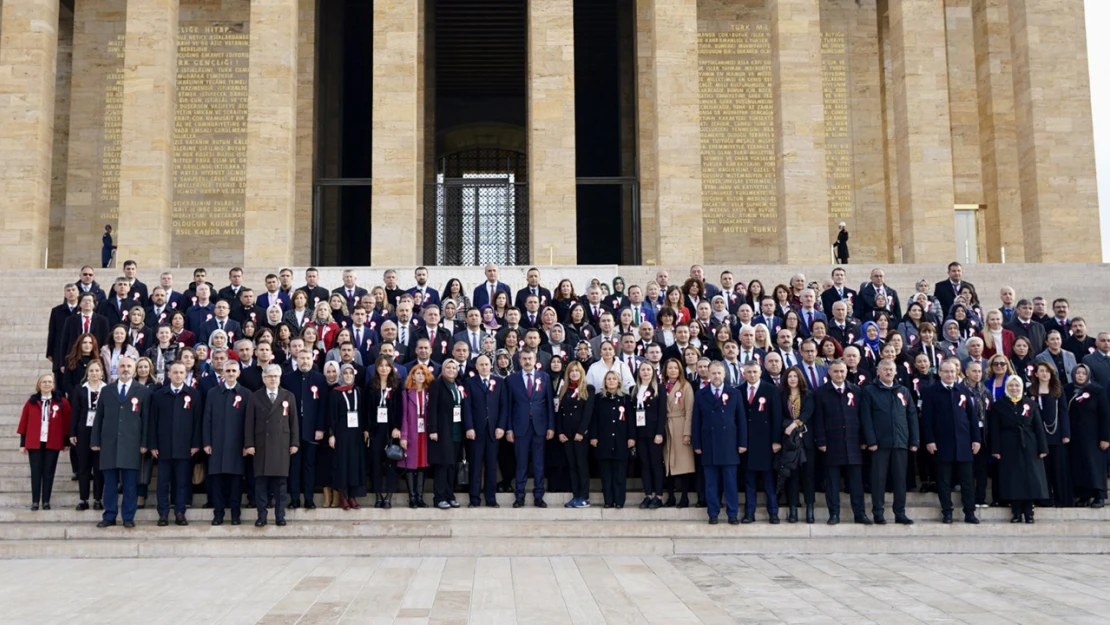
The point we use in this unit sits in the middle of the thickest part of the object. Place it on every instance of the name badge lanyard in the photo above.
(90, 418)
(383, 412)
(641, 413)
(456, 410)
(352, 413)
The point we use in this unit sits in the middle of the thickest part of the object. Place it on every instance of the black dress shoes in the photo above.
(645, 503)
(903, 520)
(260, 523)
(474, 504)
(540, 503)
(217, 521)
(947, 518)
(712, 520)
(129, 524)
(833, 519)
(280, 522)
(104, 524)
(774, 520)
(84, 505)
(46, 506)
(880, 520)
(519, 503)
(236, 521)
(98, 505)
(163, 521)
(864, 520)
(809, 515)
(971, 519)
(747, 519)
(735, 521)
(179, 520)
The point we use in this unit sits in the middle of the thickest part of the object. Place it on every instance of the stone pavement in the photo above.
(851, 589)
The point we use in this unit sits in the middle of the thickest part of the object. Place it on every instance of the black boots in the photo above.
(410, 481)
(420, 490)
(793, 516)
(809, 514)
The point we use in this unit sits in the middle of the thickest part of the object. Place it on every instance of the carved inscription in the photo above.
(108, 203)
(838, 140)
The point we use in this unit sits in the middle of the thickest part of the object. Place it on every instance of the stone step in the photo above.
(122, 543)
(556, 512)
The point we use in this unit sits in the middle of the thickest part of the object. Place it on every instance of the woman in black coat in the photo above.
(650, 414)
(1017, 442)
(612, 435)
(347, 437)
(1089, 412)
(85, 350)
(82, 401)
(445, 406)
(573, 409)
(383, 396)
(1053, 405)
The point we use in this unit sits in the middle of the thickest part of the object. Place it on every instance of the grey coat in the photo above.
(121, 427)
(271, 428)
(1069, 364)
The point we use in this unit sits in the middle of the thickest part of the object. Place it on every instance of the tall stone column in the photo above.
(800, 131)
(28, 67)
(146, 144)
(269, 227)
(552, 188)
(998, 130)
(670, 132)
(1059, 197)
(923, 130)
(398, 131)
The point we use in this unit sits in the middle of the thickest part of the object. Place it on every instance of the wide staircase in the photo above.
(64, 532)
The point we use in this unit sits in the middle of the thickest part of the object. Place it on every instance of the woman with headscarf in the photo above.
(324, 453)
(869, 342)
(348, 433)
(720, 316)
(952, 344)
(489, 319)
(1090, 437)
(1017, 442)
(557, 343)
(968, 327)
(617, 298)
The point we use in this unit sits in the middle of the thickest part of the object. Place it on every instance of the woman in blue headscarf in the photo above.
(870, 342)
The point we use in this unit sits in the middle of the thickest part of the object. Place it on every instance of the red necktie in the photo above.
(86, 325)
(751, 394)
(529, 385)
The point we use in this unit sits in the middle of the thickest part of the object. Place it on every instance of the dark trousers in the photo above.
(302, 472)
(700, 480)
(506, 461)
(614, 480)
(685, 483)
(227, 492)
(751, 482)
(446, 475)
(88, 470)
(383, 471)
(888, 463)
(926, 466)
(112, 481)
(716, 477)
(267, 487)
(802, 478)
(44, 462)
(962, 471)
(529, 446)
(1024, 506)
(853, 474)
(483, 459)
(578, 460)
(177, 473)
(651, 465)
(1057, 468)
(980, 468)
(146, 472)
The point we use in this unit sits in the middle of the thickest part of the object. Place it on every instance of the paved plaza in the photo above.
(984, 590)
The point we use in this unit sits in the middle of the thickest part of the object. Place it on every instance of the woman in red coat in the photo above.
(43, 428)
(996, 339)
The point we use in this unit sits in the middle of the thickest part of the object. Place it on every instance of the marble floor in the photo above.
(984, 590)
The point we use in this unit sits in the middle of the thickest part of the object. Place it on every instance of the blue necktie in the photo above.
(122, 393)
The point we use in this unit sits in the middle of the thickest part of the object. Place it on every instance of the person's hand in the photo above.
(1104, 445)
(249, 451)
(686, 440)
(1043, 455)
(395, 433)
(658, 439)
(593, 442)
(631, 443)
(913, 449)
(550, 434)
(154, 453)
(874, 448)
(72, 440)
(863, 446)
(790, 429)
(509, 437)
(207, 449)
(433, 437)
(193, 450)
(293, 450)
(23, 450)
(563, 438)
(50, 359)
(470, 435)
(742, 449)
(498, 433)
(776, 448)
(932, 448)
(578, 438)
(142, 450)
(697, 451)
(822, 449)
(996, 456)
(404, 443)
(1066, 440)
(319, 435)
(975, 448)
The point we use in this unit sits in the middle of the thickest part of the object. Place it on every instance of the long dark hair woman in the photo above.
(799, 410)
(1049, 395)
(43, 434)
(383, 396)
(85, 349)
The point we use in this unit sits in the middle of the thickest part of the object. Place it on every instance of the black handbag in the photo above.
(393, 451)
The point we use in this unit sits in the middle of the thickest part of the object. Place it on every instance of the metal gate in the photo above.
(477, 210)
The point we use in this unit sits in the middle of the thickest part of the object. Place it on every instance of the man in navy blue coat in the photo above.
(485, 424)
(719, 435)
(949, 430)
(310, 387)
(838, 434)
(763, 407)
(531, 422)
(176, 415)
(484, 292)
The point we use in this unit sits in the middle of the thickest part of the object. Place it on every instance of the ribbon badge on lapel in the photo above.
(134, 404)
(573, 394)
(851, 399)
(963, 400)
(462, 392)
(136, 297)
(621, 409)
(238, 400)
(916, 385)
(208, 317)
(677, 397)
(647, 394)
(902, 398)
(762, 402)
(387, 392)
(538, 385)
(1025, 410)
(724, 399)
(54, 411)
(471, 374)
(493, 384)
(188, 401)
(316, 391)
(285, 409)
(444, 344)
(373, 324)
(1082, 397)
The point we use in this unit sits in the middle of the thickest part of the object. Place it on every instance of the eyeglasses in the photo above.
(999, 364)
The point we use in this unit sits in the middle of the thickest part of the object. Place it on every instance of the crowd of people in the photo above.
(700, 389)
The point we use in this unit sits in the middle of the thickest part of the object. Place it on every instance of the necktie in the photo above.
(809, 319)
(491, 289)
(751, 394)
(273, 397)
(432, 337)
(595, 311)
(840, 390)
(176, 391)
(534, 292)
(86, 326)
(486, 382)
(717, 393)
(350, 293)
(813, 375)
(405, 334)
(220, 325)
(636, 315)
(474, 342)
(358, 338)
(529, 384)
(735, 372)
(532, 318)
(122, 393)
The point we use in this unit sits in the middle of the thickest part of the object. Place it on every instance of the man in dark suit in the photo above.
(838, 292)
(137, 291)
(950, 431)
(1023, 324)
(531, 422)
(56, 327)
(120, 433)
(199, 275)
(697, 272)
(273, 295)
(423, 351)
(543, 295)
(809, 313)
(271, 436)
(309, 387)
(867, 293)
(841, 327)
(1099, 360)
(85, 321)
(230, 293)
(221, 320)
(158, 312)
(225, 412)
(837, 434)
(115, 309)
(763, 408)
(946, 290)
(719, 434)
(472, 333)
(889, 420)
(86, 284)
(530, 314)
(350, 290)
(363, 336)
(438, 339)
(176, 416)
(422, 294)
(245, 309)
(641, 311)
(767, 316)
(815, 373)
(1059, 320)
(312, 288)
(484, 423)
(485, 292)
